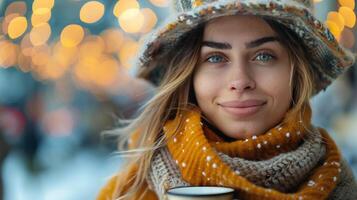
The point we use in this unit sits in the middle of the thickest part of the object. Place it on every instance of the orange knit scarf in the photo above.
(203, 166)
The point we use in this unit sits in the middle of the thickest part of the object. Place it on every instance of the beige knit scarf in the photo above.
(291, 161)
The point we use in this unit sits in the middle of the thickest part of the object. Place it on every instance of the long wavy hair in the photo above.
(140, 137)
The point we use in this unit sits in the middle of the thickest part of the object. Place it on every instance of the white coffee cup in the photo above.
(200, 193)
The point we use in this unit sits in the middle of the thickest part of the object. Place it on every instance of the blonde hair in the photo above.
(175, 94)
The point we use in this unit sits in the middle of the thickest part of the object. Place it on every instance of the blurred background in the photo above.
(66, 75)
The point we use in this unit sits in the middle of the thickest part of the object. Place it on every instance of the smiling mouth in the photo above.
(243, 110)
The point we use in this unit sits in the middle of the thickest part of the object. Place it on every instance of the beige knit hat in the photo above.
(329, 59)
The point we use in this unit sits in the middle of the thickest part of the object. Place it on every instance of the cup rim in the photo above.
(230, 191)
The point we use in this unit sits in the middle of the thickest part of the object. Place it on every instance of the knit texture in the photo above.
(200, 164)
(328, 58)
(309, 168)
(283, 172)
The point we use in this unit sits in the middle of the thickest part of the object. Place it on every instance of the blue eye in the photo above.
(264, 57)
(215, 59)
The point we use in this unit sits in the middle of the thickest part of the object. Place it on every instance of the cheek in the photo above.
(275, 81)
(278, 87)
(205, 87)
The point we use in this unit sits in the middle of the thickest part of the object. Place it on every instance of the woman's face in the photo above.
(242, 79)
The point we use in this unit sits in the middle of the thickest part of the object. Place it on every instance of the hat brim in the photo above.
(329, 59)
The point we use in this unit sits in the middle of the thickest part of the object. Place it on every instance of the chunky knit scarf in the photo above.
(291, 161)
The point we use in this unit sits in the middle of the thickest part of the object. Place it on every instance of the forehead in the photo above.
(235, 27)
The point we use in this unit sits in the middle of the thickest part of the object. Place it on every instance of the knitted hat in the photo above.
(328, 58)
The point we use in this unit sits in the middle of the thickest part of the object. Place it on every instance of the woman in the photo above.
(232, 107)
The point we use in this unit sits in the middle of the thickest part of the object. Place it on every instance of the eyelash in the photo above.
(266, 54)
(213, 55)
(259, 54)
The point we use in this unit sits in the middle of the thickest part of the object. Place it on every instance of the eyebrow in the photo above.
(252, 44)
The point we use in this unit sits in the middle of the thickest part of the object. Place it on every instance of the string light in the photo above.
(40, 34)
(91, 12)
(124, 5)
(72, 35)
(17, 27)
(132, 20)
(38, 19)
(337, 22)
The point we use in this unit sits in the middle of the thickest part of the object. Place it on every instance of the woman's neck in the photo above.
(218, 132)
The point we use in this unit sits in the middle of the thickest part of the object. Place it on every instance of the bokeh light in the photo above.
(17, 27)
(127, 52)
(113, 39)
(40, 34)
(38, 19)
(123, 5)
(91, 12)
(65, 56)
(7, 20)
(131, 21)
(53, 70)
(334, 28)
(24, 63)
(18, 7)
(348, 15)
(41, 55)
(347, 38)
(72, 35)
(347, 3)
(26, 45)
(91, 48)
(42, 6)
(160, 3)
(107, 73)
(8, 53)
(150, 20)
(337, 18)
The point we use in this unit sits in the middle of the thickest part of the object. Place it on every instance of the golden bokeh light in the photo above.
(65, 56)
(348, 15)
(334, 29)
(86, 70)
(24, 63)
(72, 35)
(16, 7)
(42, 6)
(91, 12)
(347, 3)
(7, 20)
(123, 5)
(160, 3)
(131, 21)
(53, 70)
(347, 38)
(128, 51)
(41, 55)
(38, 19)
(26, 45)
(107, 72)
(91, 48)
(17, 27)
(150, 20)
(317, 1)
(8, 54)
(113, 39)
(337, 18)
(40, 34)
(100, 72)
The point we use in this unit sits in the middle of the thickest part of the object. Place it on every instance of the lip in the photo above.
(243, 108)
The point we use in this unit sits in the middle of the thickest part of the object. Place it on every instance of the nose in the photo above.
(241, 81)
